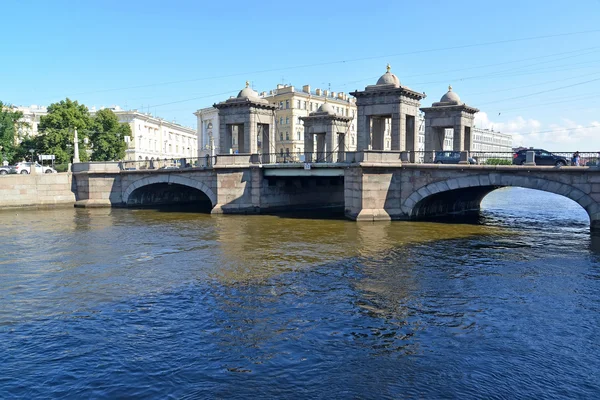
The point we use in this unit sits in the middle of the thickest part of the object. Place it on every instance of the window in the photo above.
(287, 151)
(304, 105)
(281, 136)
(287, 120)
(287, 104)
(346, 112)
(353, 140)
(298, 103)
(298, 135)
(281, 105)
(281, 151)
(311, 106)
(280, 120)
(287, 136)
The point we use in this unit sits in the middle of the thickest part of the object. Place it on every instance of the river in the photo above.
(117, 303)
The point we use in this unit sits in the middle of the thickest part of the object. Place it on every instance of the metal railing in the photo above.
(168, 163)
(300, 157)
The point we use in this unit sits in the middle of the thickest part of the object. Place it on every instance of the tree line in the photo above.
(101, 136)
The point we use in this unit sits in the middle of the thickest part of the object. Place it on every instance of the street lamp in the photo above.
(32, 151)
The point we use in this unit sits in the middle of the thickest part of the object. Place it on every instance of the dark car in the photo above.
(542, 157)
(450, 157)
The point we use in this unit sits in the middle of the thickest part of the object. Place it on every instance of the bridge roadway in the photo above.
(370, 189)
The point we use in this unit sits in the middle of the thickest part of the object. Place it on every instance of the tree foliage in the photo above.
(107, 136)
(57, 130)
(10, 121)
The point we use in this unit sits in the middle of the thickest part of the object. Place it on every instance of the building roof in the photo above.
(449, 99)
(326, 108)
(247, 93)
(388, 78)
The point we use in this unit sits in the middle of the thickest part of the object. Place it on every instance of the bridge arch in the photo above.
(465, 194)
(170, 179)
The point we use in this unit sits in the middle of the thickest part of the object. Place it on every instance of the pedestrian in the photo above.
(575, 159)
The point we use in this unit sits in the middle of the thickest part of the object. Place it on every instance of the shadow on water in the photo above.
(188, 208)
(324, 213)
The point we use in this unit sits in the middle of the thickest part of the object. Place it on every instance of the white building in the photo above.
(154, 138)
(31, 116)
(208, 131)
(151, 137)
(485, 140)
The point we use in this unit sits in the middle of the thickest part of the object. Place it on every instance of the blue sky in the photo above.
(532, 67)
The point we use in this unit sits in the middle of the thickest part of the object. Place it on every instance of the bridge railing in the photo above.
(300, 157)
(453, 157)
(168, 163)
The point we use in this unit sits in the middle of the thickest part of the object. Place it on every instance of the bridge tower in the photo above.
(329, 130)
(449, 112)
(250, 120)
(377, 105)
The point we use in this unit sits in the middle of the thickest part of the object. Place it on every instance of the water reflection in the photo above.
(193, 305)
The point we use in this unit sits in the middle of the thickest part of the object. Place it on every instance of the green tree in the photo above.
(107, 136)
(58, 129)
(9, 126)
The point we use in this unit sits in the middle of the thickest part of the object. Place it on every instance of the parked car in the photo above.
(7, 170)
(450, 157)
(25, 168)
(542, 157)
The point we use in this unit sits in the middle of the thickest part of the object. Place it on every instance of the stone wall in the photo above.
(36, 190)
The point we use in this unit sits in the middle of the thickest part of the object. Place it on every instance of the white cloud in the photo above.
(565, 135)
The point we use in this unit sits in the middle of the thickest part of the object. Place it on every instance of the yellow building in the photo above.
(293, 103)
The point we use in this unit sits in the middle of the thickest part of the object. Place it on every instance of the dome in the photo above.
(326, 108)
(247, 92)
(450, 97)
(388, 78)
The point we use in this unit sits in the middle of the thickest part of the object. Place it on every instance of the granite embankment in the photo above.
(36, 190)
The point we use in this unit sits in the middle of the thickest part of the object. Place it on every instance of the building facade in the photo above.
(293, 103)
(31, 118)
(151, 137)
(154, 138)
(208, 131)
(486, 140)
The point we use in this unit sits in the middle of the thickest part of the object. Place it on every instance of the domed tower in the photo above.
(329, 131)
(449, 112)
(249, 119)
(387, 104)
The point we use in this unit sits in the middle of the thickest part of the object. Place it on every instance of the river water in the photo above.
(114, 303)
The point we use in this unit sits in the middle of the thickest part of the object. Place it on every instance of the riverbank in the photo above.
(37, 190)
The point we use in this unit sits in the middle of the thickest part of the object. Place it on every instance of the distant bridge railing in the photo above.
(168, 163)
(349, 157)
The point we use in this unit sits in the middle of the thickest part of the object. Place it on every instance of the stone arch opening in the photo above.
(164, 194)
(464, 195)
(169, 190)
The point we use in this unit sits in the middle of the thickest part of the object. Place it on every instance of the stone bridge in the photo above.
(368, 189)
